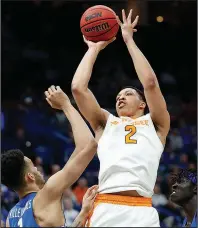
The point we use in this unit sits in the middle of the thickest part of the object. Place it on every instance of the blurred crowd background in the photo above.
(42, 45)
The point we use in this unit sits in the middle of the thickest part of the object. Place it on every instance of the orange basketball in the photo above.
(98, 23)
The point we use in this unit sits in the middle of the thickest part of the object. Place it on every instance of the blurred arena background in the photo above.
(42, 45)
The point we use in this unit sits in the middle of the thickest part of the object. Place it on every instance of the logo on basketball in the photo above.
(98, 28)
(95, 15)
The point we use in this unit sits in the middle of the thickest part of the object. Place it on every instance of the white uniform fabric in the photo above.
(126, 164)
(112, 215)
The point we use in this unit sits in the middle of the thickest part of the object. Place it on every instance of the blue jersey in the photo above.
(194, 222)
(21, 215)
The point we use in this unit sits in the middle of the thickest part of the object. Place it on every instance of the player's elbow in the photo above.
(77, 88)
(93, 144)
(150, 82)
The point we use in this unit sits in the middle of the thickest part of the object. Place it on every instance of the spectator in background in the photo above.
(183, 161)
(80, 189)
(55, 168)
(69, 194)
(69, 211)
(158, 198)
(176, 140)
(2, 224)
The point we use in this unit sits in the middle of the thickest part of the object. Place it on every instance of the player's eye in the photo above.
(128, 94)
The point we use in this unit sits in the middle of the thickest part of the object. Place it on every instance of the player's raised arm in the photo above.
(85, 149)
(84, 98)
(155, 100)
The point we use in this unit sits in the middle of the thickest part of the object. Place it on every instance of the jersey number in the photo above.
(20, 222)
(132, 131)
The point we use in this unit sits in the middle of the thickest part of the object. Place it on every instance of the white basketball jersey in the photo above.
(129, 152)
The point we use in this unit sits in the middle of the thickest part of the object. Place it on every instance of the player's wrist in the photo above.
(65, 105)
(129, 40)
(94, 49)
(83, 216)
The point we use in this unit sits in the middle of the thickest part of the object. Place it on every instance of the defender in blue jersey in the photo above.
(40, 203)
(184, 194)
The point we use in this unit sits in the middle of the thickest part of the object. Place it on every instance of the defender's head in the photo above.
(129, 101)
(18, 171)
(184, 187)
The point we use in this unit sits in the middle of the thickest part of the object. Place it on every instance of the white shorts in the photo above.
(116, 215)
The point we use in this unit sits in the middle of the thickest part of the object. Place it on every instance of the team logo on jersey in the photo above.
(114, 122)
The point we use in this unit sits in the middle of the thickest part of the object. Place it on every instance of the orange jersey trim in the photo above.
(120, 200)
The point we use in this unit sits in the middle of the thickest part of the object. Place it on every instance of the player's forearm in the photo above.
(84, 70)
(80, 130)
(80, 220)
(143, 69)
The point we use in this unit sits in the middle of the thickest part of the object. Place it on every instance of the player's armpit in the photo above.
(63, 179)
(157, 108)
(90, 108)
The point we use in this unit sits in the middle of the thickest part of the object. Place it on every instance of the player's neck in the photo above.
(27, 190)
(137, 115)
(190, 208)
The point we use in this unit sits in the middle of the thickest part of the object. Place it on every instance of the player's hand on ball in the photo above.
(56, 98)
(88, 199)
(98, 45)
(127, 27)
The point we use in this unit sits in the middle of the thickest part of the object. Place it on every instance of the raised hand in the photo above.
(99, 45)
(127, 27)
(56, 98)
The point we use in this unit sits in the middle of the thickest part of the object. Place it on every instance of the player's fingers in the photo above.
(135, 21)
(89, 190)
(48, 101)
(50, 91)
(58, 88)
(110, 41)
(93, 194)
(129, 16)
(124, 16)
(118, 20)
(134, 30)
(85, 40)
(53, 88)
(47, 94)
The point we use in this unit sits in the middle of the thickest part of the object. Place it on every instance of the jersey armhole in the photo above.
(154, 128)
(105, 128)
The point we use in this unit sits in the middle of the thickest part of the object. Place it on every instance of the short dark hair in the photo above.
(189, 174)
(13, 169)
(140, 92)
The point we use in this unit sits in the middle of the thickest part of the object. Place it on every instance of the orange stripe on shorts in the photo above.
(120, 200)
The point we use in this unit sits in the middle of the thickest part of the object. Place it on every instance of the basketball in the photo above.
(98, 23)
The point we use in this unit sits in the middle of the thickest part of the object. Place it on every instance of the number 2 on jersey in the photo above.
(128, 137)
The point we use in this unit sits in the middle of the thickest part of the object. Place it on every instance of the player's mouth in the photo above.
(121, 104)
(174, 193)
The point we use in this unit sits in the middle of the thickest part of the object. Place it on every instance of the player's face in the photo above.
(182, 192)
(36, 175)
(128, 102)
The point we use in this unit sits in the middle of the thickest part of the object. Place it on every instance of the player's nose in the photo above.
(174, 186)
(122, 97)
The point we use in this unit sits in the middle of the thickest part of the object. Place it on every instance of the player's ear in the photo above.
(142, 105)
(29, 177)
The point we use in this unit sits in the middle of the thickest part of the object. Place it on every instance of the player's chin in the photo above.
(174, 198)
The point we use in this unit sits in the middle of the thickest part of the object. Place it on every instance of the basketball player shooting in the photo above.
(130, 146)
(40, 202)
